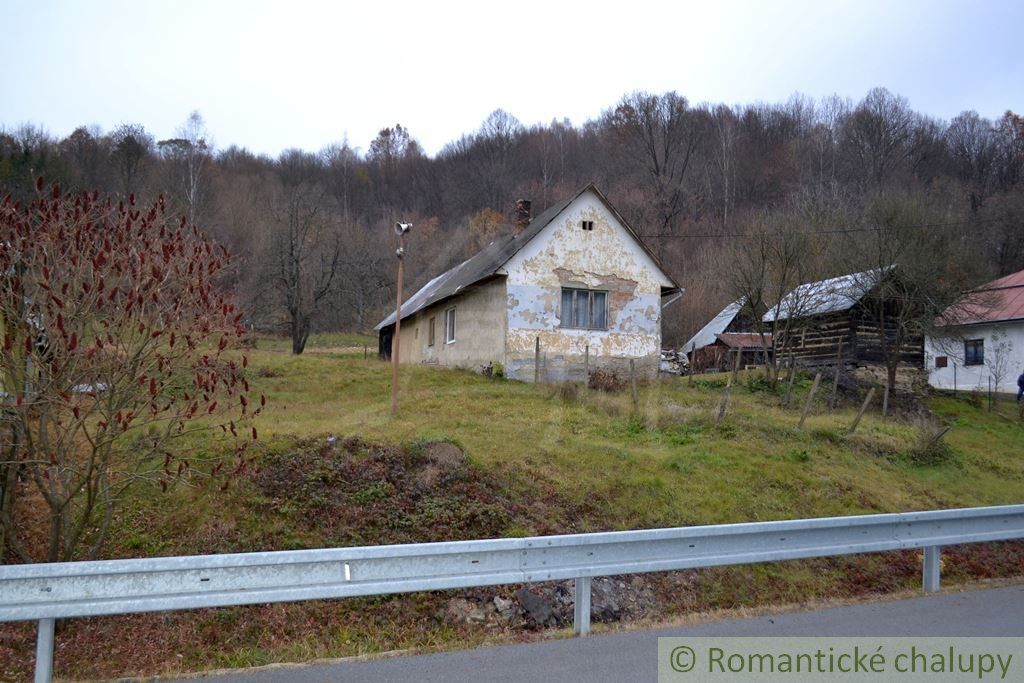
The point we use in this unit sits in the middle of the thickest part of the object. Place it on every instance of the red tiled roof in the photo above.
(1011, 280)
(996, 301)
(743, 340)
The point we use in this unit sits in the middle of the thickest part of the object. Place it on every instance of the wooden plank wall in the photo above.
(858, 332)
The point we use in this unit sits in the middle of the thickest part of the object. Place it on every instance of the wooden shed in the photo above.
(844, 318)
(725, 335)
(722, 354)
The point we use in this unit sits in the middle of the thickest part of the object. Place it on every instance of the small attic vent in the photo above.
(587, 225)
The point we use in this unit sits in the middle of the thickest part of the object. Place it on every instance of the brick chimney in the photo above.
(522, 218)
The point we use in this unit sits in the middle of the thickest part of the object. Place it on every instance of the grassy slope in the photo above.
(673, 466)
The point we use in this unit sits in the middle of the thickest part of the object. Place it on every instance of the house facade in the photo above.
(575, 285)
(981, 341)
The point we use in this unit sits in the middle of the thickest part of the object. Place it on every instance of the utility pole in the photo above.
(401, 229)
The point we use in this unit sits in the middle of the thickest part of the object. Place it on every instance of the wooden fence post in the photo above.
(789, 385)
(723, 403)
(835, 379)
(863, 407)
(632, 382)
(810, 399)
(937, 436)
(693, 361)
(536, 362)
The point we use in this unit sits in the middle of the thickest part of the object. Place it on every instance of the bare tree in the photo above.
(364, 279)
(766, 270)
(345, 183)
(914, 266)
(973, 144)
(132, 151)
(878, 136)
(496, 139)
(187, 160)
(659, 133)
(302, 250)
(86, 149)
(727, 133)
(999, 361)
(389, 153)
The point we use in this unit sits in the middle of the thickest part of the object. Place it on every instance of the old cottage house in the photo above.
(575, 282)
(980, 339)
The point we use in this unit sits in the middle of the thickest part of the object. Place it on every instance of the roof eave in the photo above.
(971, 323)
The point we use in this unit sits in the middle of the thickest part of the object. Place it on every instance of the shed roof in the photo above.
(1001, 300)
(486, 263)
(743, 340)
(718, 324)
(827, 296)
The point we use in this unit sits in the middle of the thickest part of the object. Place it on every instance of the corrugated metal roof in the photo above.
(743, 340)
(706, 335)
(486, 263)
(826, 296)
(997, 301)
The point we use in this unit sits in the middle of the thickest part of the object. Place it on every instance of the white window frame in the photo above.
(449, 328)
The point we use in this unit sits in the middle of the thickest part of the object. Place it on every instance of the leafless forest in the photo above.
(786, 192)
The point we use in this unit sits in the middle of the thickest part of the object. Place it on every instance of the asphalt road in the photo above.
(631, 656)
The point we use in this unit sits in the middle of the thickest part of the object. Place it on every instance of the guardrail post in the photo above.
(930, 570)
(44, 651)
(581, 608)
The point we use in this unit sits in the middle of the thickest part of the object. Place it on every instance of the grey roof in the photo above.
(706, 336)
(487, 262)
(826, 296)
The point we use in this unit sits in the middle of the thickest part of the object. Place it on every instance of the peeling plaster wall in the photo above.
(479, 330)
(605, 258)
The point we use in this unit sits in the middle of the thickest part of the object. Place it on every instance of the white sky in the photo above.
(296, 73)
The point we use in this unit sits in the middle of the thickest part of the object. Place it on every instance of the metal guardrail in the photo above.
(46, 592)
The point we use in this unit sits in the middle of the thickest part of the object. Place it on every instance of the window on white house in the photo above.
(588, 226)
(585, 309)
(941, 361)
(449, 326)
(430, 331)
(974, 352)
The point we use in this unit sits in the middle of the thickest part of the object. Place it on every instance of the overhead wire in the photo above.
(828, 231)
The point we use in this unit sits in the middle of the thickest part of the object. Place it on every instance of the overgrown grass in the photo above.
(561, 460)
(341, 342)
(670, 464)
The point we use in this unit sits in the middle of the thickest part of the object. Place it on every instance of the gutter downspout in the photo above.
(678, 293)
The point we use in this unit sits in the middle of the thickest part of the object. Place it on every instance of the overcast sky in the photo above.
(292, 73)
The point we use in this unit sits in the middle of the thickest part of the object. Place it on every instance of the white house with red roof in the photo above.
(981, 339)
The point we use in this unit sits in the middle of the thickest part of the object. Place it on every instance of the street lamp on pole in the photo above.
(401, 229)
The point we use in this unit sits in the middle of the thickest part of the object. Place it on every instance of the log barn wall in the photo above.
(856, 330)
